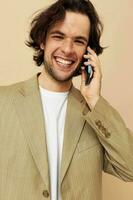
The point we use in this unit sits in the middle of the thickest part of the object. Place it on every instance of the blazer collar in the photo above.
(29, 109)
(73, 128)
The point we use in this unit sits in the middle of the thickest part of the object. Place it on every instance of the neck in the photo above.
(50, 84)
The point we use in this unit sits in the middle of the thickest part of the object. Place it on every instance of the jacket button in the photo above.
(46, 193)
(108, 135)
(85, 111)
(98, 123)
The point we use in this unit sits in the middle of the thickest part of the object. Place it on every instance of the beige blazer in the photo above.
(93, 141)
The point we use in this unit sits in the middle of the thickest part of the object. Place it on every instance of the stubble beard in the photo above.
(49, 69)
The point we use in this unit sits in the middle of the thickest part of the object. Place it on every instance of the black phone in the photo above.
(88, 69)
(89, 72)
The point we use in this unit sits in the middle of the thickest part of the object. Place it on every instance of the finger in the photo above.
(91, 51)
(92, 63)
(96, 68)
(83, 76)
(89, 56)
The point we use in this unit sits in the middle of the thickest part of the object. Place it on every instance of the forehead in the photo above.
(73, 24)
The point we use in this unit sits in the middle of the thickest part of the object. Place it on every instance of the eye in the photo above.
(80, 42)
(58, 37)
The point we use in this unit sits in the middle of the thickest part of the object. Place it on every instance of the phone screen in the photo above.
(88, 69)
(89, 73)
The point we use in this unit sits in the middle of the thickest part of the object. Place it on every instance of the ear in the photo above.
(42, 46)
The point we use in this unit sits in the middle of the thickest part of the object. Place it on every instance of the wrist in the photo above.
(92, 102)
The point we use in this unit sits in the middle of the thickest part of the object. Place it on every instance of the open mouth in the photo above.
(64, 63)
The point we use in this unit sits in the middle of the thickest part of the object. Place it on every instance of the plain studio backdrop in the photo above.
(117, 61)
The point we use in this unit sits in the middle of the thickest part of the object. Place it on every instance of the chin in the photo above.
(62, 78)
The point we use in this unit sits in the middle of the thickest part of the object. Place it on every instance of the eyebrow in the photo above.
(62, 34)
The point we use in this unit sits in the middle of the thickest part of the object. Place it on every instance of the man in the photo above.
(56, 140)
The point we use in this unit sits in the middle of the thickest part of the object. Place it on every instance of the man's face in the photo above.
(65, 45)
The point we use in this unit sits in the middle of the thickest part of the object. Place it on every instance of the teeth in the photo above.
(62, 61)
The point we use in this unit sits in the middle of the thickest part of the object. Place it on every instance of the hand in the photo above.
(92, 91)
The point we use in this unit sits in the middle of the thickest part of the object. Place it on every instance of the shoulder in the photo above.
(7, 90)
(76, 93)
(76, 99)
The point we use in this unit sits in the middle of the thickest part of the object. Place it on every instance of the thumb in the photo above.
(83, 76)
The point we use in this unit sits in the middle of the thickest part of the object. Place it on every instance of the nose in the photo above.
(67, 47)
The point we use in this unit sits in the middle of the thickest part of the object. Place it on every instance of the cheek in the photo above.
(50, 51)
(81, 52)
(50, 47)
(80, 55)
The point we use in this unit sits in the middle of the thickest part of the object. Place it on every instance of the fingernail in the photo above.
(82, 67)
(89, 48)
(85, 56)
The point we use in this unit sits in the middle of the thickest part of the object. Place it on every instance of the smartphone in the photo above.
(88, 69)
(89, 73)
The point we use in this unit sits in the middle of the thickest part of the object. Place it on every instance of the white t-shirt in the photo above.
(54, 108)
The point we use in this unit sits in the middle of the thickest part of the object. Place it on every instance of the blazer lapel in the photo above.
(73, 128)
(29, 110)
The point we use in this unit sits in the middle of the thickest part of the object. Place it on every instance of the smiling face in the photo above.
(65, 45)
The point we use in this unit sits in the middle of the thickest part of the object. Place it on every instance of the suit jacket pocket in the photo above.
(88, 139)
(85, 147)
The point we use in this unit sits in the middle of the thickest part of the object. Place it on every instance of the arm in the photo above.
(114, 136)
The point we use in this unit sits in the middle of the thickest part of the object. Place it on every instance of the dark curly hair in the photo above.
(56, 12)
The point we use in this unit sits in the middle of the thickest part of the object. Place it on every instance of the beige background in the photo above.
(117, 61)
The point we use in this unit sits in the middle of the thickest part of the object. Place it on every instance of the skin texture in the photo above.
(65, 46)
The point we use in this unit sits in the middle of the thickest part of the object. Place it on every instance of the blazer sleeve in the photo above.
(114, 136)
